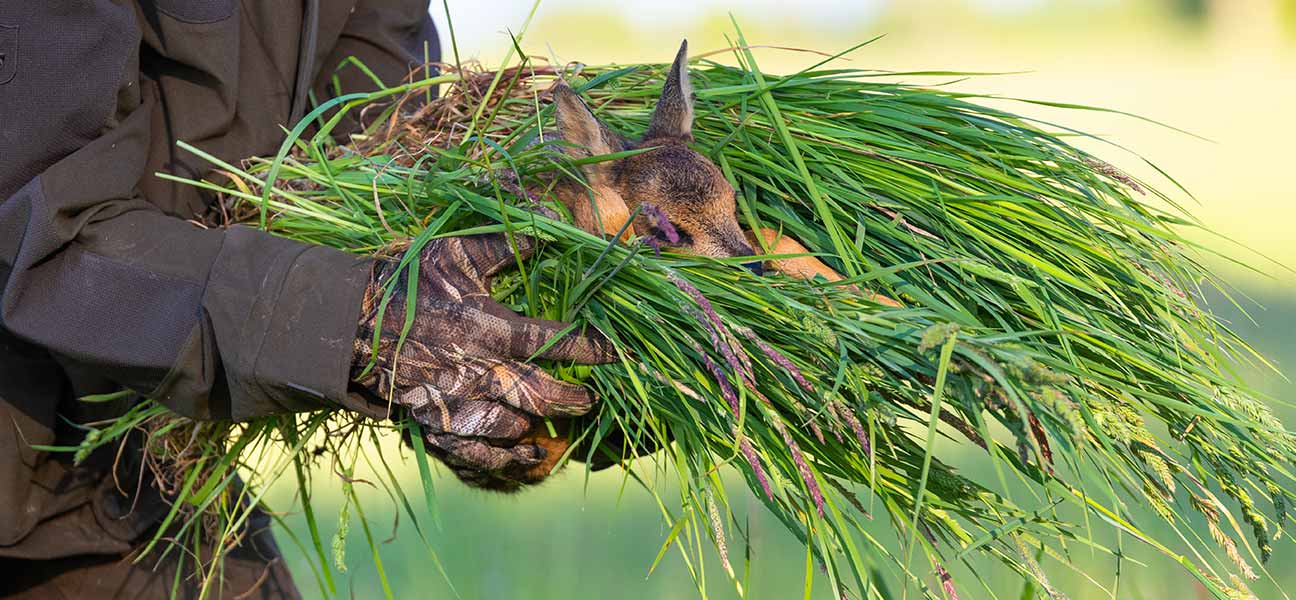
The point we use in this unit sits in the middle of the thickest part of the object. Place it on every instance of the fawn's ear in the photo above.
(674, 114)
(577, 125)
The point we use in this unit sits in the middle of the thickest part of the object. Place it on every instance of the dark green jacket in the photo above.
(106, 280)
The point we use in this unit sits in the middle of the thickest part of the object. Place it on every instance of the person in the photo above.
(110, 280)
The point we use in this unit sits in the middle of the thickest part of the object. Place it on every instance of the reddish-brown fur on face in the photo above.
(691, 191)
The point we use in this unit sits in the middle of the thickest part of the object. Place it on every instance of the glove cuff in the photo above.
(364, 369)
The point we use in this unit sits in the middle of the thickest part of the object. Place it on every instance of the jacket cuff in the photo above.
(310, 337)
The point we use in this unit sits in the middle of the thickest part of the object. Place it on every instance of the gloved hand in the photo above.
(458, 372)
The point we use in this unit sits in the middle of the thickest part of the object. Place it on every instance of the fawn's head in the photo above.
(689, 189)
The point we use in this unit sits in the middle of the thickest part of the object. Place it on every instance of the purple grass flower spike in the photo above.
(726, 389)
(717, 528)
(662, 222)
(653, 243)
(721, 345)
(697, 297)
(779, 359)
(834, 426)
(753, 460)
(715, 328)
(947, 582)
(814, 428)
(860, 434)
(738, 349)
(803, 468)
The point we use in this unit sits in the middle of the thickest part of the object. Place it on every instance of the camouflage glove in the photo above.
(458, 372)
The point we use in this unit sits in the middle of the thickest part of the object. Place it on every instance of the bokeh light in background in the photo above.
(1224, 70)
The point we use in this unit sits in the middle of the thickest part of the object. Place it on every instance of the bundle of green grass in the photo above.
(1049, 327)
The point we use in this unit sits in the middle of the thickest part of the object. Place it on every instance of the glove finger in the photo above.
(417, 364)
(505, 333)
(478, 257)
(467, 418)
(589, 347)
(477, 455)
(428, 406)
(489, 420)
(529, 389)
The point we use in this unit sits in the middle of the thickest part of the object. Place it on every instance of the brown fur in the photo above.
(554, 447)
(800, 267)
(688, 188)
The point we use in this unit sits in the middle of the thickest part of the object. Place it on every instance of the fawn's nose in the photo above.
(741, 248)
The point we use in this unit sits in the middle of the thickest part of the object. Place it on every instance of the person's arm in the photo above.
(215, 324)
(385, 40)
(387, 37)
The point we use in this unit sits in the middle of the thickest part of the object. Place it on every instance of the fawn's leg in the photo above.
(802, 267)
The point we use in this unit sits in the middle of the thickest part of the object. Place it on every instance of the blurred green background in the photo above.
(1224, 70)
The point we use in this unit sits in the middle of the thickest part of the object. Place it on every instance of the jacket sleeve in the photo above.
(390, 38)
(216, 324)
